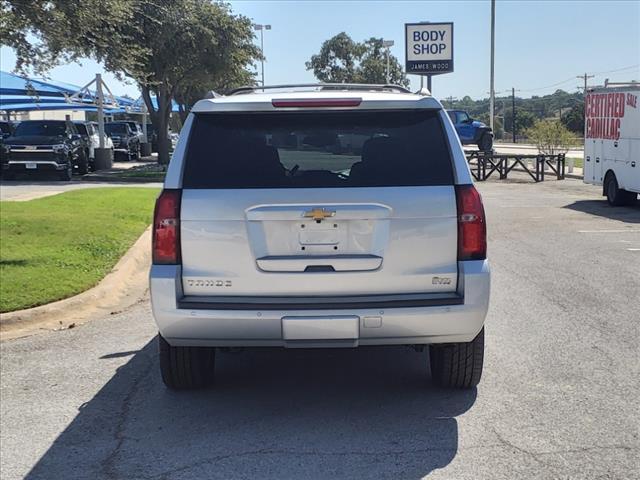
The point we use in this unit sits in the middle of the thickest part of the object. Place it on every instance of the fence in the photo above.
(484, 164)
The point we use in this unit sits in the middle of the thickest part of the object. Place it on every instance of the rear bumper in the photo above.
(185, 322)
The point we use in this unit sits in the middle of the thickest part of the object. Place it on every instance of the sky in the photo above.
(540, 45)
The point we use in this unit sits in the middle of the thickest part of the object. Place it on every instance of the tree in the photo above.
(373, 66)
(574, 119)
(524, 120)
(337, 61)
(550, 136)
(164, 45)
(196, 88)
(341, 60)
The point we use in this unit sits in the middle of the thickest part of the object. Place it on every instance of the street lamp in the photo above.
(262, 28)
(387, 44)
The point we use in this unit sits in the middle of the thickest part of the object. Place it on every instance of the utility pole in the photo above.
(585, 77)
(493, 43)
(451, 99)
(513, 113)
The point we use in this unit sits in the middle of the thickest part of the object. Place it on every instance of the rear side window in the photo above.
(314, 150)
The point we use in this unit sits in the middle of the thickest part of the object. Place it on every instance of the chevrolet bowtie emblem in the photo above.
(319, 214)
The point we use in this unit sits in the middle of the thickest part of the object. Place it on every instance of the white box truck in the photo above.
(612, 141)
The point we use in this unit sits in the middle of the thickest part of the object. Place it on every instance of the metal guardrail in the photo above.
(484, 164)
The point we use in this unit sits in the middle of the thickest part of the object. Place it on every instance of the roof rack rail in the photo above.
(323, 86)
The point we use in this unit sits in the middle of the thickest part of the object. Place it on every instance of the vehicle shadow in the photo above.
(274, 413)
(627, 214)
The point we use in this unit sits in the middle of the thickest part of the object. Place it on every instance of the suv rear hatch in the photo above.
(318, 203)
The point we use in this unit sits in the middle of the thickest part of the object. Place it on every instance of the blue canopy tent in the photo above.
(27, 94)
(20, 94)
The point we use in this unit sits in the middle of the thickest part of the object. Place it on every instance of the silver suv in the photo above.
(319, 216)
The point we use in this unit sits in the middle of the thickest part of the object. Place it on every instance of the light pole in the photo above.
(492, 93)
(262, 28)
(388, 44)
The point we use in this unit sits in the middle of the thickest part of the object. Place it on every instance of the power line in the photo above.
(570, 79)
(591, 74)
(630, 67)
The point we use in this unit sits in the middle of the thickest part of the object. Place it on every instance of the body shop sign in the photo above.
(429, 48)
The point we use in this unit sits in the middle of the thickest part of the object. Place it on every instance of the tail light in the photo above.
(166, 228)
(472, 228)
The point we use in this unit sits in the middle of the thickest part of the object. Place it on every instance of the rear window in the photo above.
(307, 150)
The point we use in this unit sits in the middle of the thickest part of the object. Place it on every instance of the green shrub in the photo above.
(550, 136)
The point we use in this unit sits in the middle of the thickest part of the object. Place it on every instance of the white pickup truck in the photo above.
(612, 141)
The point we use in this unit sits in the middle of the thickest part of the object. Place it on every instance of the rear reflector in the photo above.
(472, 228)
(166, 228)
(316, 102)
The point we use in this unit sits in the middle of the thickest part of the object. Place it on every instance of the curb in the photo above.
(109, 178)
(125, 285)
(573, 175)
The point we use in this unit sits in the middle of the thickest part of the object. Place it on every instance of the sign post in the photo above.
(429, 49)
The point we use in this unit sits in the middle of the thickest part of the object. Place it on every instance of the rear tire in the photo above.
(615, 195)
(485, 143)
(458, 365)
(186, 367)
(83, 164)
(66, 174)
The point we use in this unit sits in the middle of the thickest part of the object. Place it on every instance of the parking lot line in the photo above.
(609, 231)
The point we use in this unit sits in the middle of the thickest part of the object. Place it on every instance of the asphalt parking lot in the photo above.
(559, 398)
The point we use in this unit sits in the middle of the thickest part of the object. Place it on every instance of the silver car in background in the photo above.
(319, 216)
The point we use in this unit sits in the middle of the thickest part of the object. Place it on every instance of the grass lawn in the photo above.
(55, 247)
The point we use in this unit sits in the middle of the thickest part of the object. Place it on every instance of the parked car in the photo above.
(136, 128)
(125, 140)
(265, 235)
(471, 131)
(6, 129)
(90, 133)
(44, 146)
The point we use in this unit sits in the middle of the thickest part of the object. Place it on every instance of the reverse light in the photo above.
(472, 227)
(166, 228)
(316, 102)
